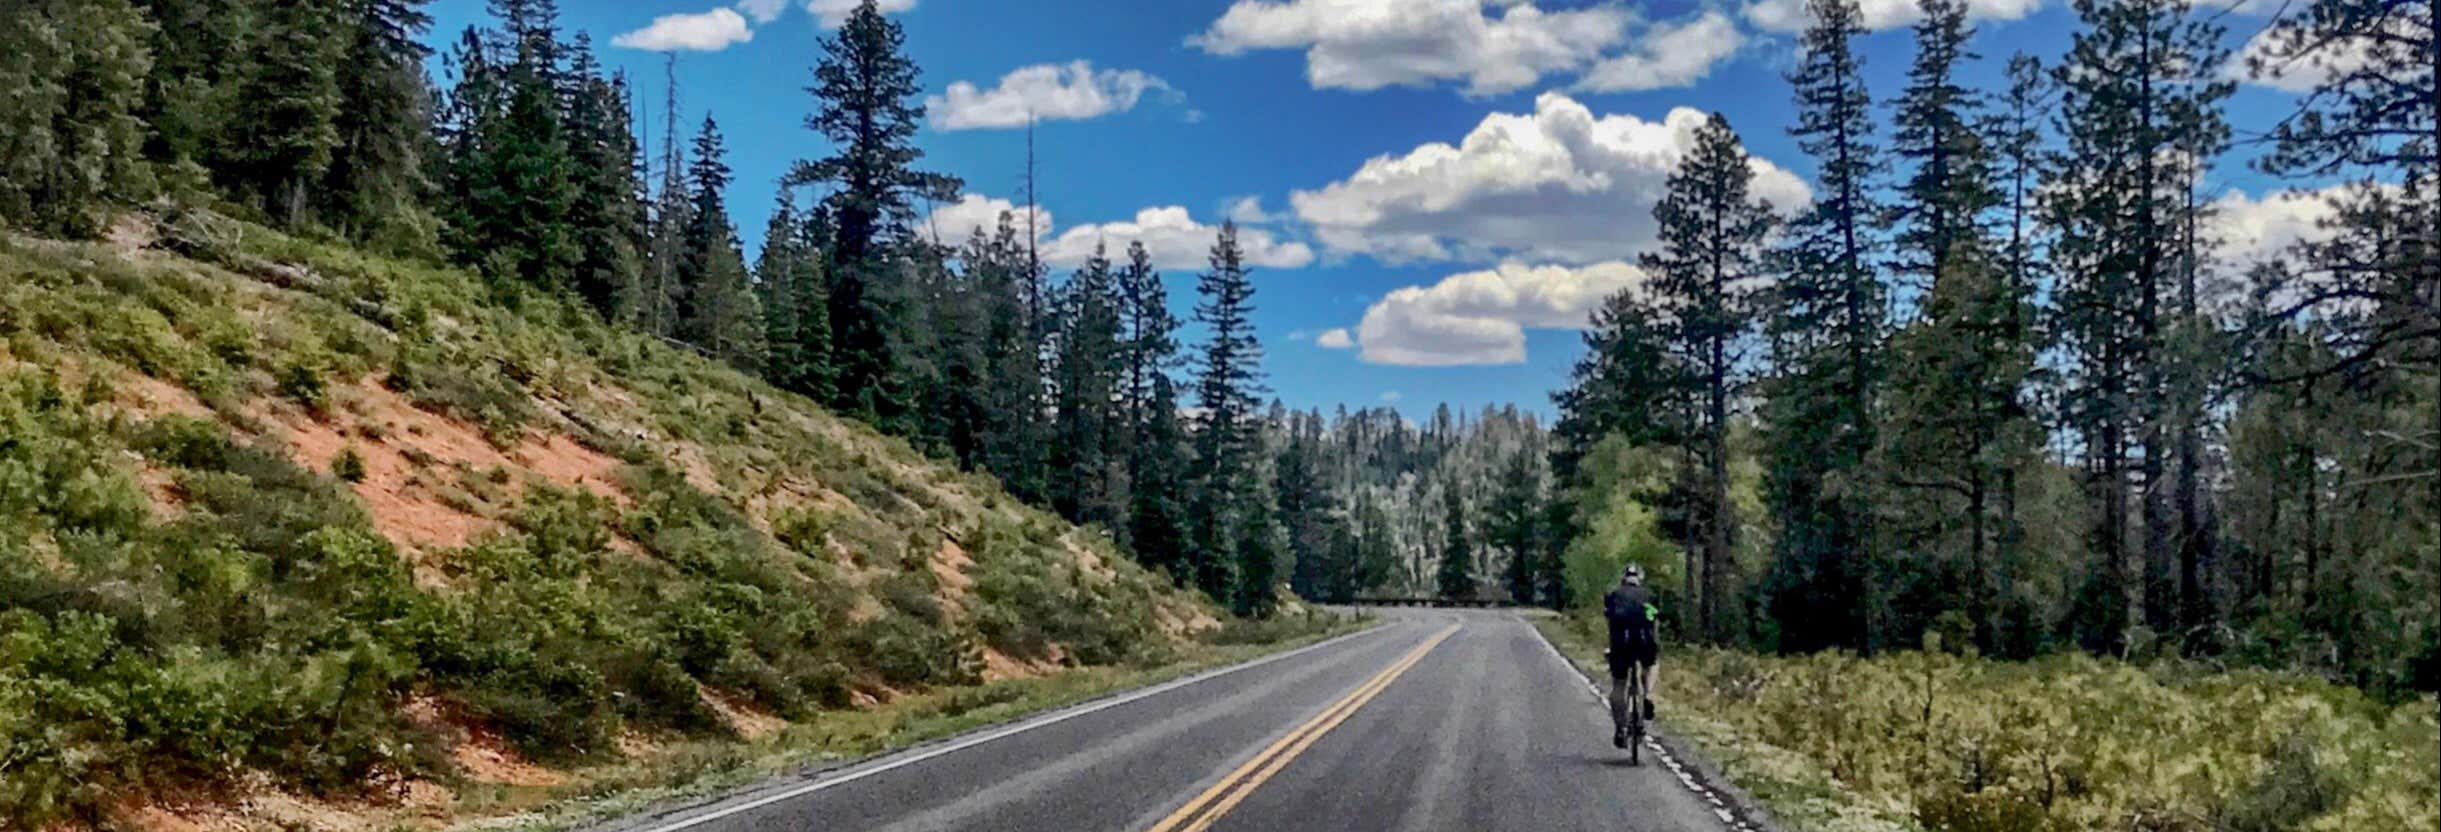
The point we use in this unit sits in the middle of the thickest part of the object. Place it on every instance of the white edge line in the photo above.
(1040, 721)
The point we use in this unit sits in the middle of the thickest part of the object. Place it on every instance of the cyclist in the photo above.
(1635, 645)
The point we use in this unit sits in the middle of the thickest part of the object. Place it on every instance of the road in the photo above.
(1438, 719)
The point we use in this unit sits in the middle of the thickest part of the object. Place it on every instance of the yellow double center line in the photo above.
(1199, 814)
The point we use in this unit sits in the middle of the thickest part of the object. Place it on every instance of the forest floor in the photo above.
(1929, 740)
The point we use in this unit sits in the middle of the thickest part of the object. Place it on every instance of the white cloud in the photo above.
(2252, 230)
(952, 224)
(1667, 55)
(763, 11)
(1043, 92)
(1335, 339)
(2297, 74)
(1176, 241)
(1493, 46)
(1481, 317)
(1391, 396)
(1248, 210)
(1557, 185)
(1174, 238)
(1788, 16)
(710, 31)
(835, 12)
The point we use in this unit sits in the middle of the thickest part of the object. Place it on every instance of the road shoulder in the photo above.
(1739, 810)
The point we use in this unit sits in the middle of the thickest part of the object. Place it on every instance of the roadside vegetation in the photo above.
(1938, 740)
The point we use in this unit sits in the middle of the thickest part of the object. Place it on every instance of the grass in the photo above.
(1933, 741)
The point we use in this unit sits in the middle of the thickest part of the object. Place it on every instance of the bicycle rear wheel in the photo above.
(1635, 719)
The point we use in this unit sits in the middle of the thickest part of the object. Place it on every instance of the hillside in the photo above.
(279, 514)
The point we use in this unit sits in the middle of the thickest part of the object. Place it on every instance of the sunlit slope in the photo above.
(276, 509)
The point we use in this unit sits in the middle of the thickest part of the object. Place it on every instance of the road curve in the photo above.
(1435, 720)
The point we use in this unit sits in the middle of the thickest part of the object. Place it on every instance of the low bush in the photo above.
(1945, 742)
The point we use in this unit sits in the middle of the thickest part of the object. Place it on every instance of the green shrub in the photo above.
(348, 466)
(302, 383)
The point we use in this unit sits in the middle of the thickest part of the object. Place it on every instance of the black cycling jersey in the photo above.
(1634, 627)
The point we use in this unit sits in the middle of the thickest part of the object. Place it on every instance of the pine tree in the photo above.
(377, 163)
(1515, 525)
(655, 307)
(1947, 193)
(1309, 513)
(814, 375)
(1151, 348)
(1826, 330)
(605, 215)
(1377, 548)
(1959, 427)
(510, 174)
(1455, 575)
(1088, 458)
(717, 307)
(2139, 112)
(1711, 235)
(866, 90)
(1161, 493)
(2366, 304)
(1012, 436)
(201, 51)
(775, 283)
(287, 120)
(71, 136)
(1157, 452)
(1230, 380)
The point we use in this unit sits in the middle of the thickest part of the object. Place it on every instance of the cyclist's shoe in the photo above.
(1648, 710)
(1618, 737)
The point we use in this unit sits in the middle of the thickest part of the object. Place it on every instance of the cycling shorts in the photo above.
(1644, 653)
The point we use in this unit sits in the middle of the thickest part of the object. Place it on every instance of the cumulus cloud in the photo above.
(1481, 317)
(1788, 16)
(710, 31)
(955, 222)
(1556, 185)
(1667, 55)
(835, 12)
(2252, 230)
(763, 11)
(1248, 210)
(1173, 236)
(2302, 73)
(1492, 46)
(1043, 92)
(1175, 240)
(1335, 339)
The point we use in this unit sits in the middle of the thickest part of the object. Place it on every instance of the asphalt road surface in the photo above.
(1435, 720)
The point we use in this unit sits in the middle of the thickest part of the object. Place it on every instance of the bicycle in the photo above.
(1634, 701)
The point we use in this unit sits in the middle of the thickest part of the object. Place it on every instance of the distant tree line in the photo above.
(1995, 383)
(1455, 507)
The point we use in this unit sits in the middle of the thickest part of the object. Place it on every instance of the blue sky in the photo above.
(1435, 191)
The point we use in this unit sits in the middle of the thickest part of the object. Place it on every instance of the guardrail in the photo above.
(1465, 603)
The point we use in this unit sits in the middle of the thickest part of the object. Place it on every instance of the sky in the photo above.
(1434, 194)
